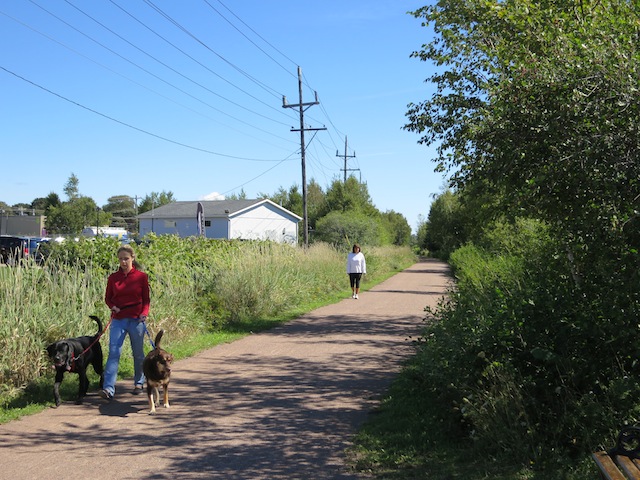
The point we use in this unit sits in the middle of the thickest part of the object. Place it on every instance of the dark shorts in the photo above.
(354, 278)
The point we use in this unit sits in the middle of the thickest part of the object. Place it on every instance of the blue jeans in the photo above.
(117, 332)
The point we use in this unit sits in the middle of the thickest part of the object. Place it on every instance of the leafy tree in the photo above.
(43, 204)
(537, 115)
(238, 196)
(348, 196)
(444, 226)
(72, 217)
(316, 200)
(154, 200)
(120, 204)
(397, 227)
(123, 210)
(345, 228)
(539, 105)
(71, 188)
(291, 199)
(421, 235)
(345, 211)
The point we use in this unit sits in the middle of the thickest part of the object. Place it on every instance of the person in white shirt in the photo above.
(356, 267)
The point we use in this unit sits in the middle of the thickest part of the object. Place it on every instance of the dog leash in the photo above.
(146, 331)
(71, 367)
(73, 357)
(153, 345)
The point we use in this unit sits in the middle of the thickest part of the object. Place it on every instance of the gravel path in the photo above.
(281, 404)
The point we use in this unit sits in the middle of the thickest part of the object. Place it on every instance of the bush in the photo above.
(537, 367)
(340, 228)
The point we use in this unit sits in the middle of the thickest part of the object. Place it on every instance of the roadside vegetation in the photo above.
(533, 361)
(204, 292)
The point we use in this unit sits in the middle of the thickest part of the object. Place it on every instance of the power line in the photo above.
(344, 157)
(258, 176)
(256, 33)
(301, 108)
(161, 63)
(231, 64)
(129, 125)
(167, 17)
(150, 89)
(154, 75)
(186, 31)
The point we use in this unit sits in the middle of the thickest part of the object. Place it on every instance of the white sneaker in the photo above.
(355, 296)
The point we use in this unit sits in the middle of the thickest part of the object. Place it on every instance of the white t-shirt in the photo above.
(356, 263)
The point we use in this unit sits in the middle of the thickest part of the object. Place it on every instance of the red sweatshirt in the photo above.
(130, 293)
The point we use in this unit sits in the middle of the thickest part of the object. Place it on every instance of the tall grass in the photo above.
(276, 278)
(38, 306)
(198, 286)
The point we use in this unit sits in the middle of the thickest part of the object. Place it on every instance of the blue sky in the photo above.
(138, 96)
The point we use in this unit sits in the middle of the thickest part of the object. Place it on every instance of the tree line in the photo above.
(342, 212)
(536, 119)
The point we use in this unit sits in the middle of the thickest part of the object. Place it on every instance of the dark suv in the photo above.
(14, 249)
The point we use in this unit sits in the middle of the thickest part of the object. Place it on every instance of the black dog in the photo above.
(157, 368)
(75, 355)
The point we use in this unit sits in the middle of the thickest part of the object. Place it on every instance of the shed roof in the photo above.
(212, 208)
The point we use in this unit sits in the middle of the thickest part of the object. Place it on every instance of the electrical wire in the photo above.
(150, 89)
(192, 58)
(314, 158)
(156, 76)
(231, 64)
(258, 176)
(129, 125)
(256, 33)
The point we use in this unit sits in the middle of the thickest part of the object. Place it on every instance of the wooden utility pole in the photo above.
(301, 108)
(345, 156)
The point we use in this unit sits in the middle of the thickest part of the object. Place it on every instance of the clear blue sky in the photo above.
(135, 97)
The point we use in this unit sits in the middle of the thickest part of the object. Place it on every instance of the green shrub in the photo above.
(537, 367)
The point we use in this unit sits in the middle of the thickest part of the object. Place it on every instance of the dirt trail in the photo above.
(281, 404)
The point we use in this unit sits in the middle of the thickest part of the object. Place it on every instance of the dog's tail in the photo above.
(98, 322)
(158, 338)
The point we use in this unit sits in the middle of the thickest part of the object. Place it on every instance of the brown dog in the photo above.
(157, 368)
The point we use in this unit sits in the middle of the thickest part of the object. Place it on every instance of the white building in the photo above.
(224, 219)
(116, 232)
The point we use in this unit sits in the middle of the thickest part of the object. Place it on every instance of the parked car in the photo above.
(14, 249)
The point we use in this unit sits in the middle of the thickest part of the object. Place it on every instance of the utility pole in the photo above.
(345, 156)
(301, 109)
(135, 203)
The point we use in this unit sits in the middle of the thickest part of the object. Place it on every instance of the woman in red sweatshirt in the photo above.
(127, 296)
